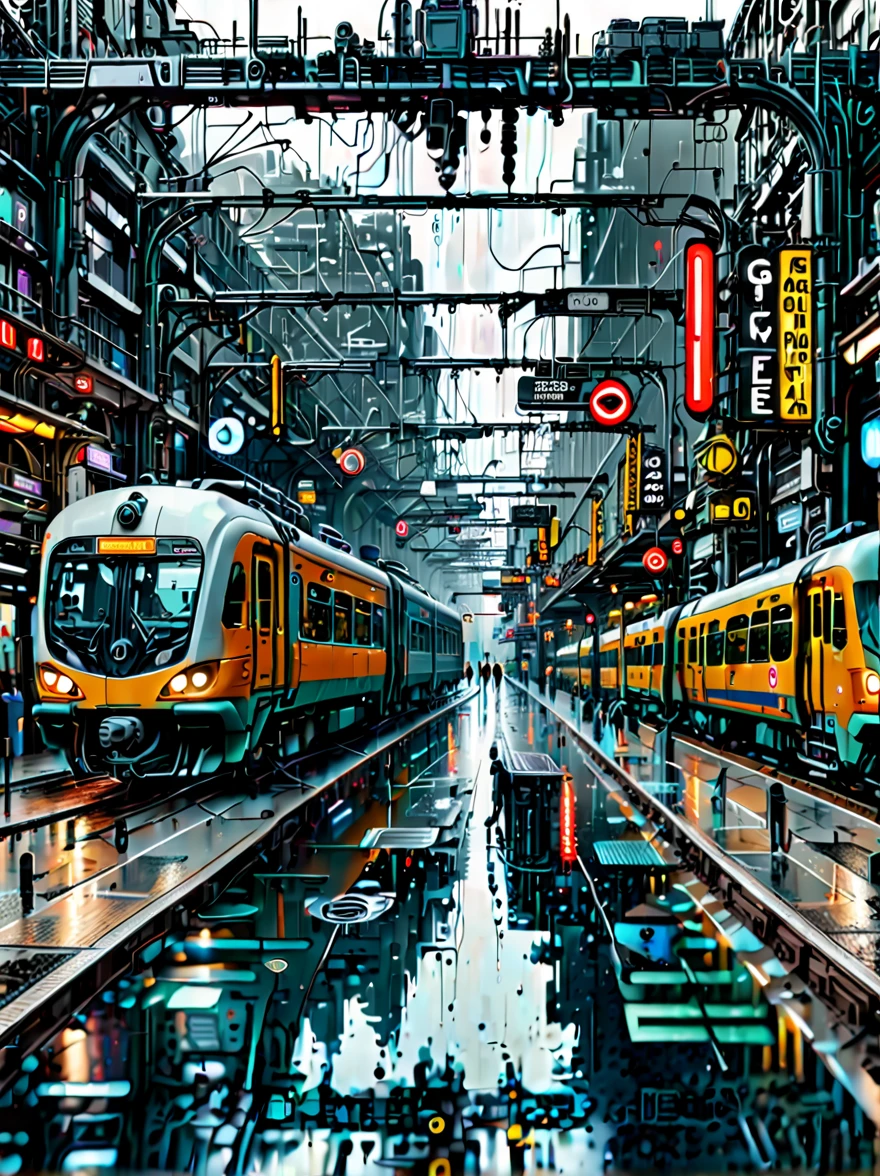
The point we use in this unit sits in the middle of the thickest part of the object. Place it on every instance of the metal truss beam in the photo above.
(439, 202)
(621, 87)
(468, 429)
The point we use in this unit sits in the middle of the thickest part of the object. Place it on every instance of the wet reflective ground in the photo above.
(412, 979)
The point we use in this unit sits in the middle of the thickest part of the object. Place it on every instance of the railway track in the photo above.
(836, 961)
(81, 933)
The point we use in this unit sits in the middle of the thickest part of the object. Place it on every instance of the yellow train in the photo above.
(182, 630)
(789, 659)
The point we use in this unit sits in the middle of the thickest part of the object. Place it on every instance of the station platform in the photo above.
(546, 1010)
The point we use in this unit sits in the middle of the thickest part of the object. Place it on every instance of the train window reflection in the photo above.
(759, 636)
(737, 636)
(362, 622)
(715, 645)
(838, 631)
(378, 626)
(264, 594)
(342, 618)
(780, 633)
(234, 613)
(316, 623)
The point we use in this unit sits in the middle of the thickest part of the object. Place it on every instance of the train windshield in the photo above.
(122, 614)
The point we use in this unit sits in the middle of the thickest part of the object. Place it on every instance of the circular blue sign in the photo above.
(226, 435)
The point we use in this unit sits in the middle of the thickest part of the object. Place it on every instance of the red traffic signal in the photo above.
(352, 462)
(655, 561)
(677, 546)
(590, 618)
(611, 403)
(401, 528)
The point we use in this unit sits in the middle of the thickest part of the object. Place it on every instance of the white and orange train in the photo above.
(183, 630)
(789, 660)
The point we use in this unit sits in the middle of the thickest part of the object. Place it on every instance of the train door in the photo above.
(291, 636)
(714, 685)
(827, 638)
(263, 617)
(700, 665)
(693, 668)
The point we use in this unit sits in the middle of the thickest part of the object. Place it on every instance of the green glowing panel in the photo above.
(187, 997)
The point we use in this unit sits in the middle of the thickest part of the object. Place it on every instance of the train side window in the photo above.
(715, 645)
(817, 614)
(317, 621)
(692, 645)
(679, 647)
(342, 618)
(826, 617)
(838, 631)
(362, 622)
(264, 594)
(379, 626)
(759, 636)
(780, 633)
(235, 601)
(737, 640)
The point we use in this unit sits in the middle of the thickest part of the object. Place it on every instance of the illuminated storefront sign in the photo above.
(26, 485)
(653, 499)
(758, 364)
(699, 325)
(796, 335)
(597, 530)
(632, 470)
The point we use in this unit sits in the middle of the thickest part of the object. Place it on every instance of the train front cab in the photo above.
(792, 657)
(217, 605)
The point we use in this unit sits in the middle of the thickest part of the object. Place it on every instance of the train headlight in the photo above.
(195, 681)
(55, 682)
(872, 683)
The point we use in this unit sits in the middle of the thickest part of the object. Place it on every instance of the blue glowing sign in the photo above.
(871, 443)
(226, 435)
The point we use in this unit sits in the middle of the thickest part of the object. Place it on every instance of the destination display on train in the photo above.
(550, 392)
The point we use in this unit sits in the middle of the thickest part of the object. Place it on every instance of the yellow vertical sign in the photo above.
(796, 340)
(632, 476)
(597, 530)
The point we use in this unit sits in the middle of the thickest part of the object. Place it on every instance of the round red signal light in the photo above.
(590, 618)
(401, 528)
(611, 403)
(677, 546)
(352, 462)
(655, 561)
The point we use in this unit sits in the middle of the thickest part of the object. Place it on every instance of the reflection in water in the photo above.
(413, 978)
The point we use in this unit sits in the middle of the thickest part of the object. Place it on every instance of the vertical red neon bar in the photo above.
(567, 834)
(699, 327)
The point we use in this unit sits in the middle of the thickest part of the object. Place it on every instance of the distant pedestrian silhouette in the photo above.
(497, 674)
(469, 673)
